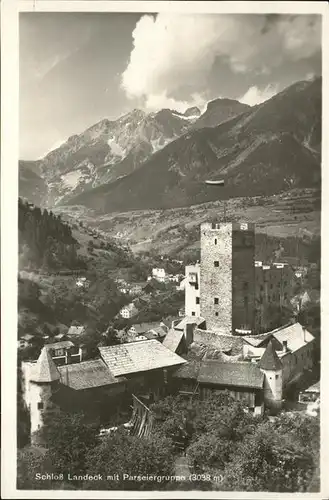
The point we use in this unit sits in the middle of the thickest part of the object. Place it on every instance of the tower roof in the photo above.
(270, 359)
(45, 369)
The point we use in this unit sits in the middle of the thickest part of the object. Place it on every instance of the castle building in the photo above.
(227, 276)
(273, 289)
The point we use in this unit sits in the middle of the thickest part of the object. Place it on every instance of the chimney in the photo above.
(285, 345)
(189, 333)
(304, 333)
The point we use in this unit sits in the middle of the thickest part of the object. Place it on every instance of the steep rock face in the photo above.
(106, 151)
(267, 149)
(109, 150)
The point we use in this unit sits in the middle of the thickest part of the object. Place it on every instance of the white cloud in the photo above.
(171, 51)
(161, 101)
(254, 95)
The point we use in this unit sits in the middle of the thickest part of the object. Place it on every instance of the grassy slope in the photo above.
(293, 213)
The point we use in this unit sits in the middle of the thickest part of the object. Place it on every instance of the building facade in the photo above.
(227, 276)
(192, 290)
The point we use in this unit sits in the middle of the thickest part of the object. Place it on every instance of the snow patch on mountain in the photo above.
(72, 179)
(116, 149)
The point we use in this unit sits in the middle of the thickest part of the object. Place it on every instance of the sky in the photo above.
(78, 68)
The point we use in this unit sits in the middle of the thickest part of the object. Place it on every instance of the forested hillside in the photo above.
(45, 240)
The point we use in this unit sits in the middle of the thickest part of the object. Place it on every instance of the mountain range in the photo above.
(161, 160)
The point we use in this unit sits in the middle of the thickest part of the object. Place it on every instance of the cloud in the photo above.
(171, 51)
(255, 95)
(154, 102)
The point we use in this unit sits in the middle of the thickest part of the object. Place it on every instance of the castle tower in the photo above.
(227, 276)
(41, 381)
(271, 365)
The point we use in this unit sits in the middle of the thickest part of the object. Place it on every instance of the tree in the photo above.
(268, 460)
(68, 438)
(122, 454)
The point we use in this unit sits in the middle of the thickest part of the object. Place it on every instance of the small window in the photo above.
(197, 300)
(40, 405)
(193, 313)
(216, 313)
(271, 286)
(215, 241)
(216, 300)
(276, 376)
(261, 288)
(216, 263)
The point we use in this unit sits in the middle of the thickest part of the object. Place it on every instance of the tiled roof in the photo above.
(270, 359)
(231, 374)
(45, 369)
(144, 327)
(226, 343)
(173, 339)
(27, 337)
(257, 340)
(188, 371)
(138, 356)
(313, 388)
(189, 320)
(76, 330)
(295, 335)
(65, 344)
(87, 374)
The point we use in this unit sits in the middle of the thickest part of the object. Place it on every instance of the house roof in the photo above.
(144, 327)
(131, 307)
(86, 375)
(65, 344)
(75, 330)
(189, 370)
(27, 337)
(270, 359)
(227, 343)
(295, 335)
(173, 339)
(313, 388)
(257, 340)
(197, 320)
(45, 369)
(138, 356)
(243, 374)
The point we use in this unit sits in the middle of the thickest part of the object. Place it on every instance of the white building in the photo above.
(192, 290)
(129, 311)
(159, 274)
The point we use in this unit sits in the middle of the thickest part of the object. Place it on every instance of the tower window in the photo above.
(193, 313)
(216, 263)
(40, 405)
(216, 313)
(216, 300)
(197, 300)
(215, 241)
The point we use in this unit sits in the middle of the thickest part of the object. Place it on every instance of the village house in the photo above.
(65, 352)
(99, 386)
(26, 340)
(75, 331)
(129, 311)
(159, 274)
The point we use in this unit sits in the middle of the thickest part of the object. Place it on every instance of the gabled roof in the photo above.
(197, 320)
(65, 344)
(173, 339)
(270, 359)
(45, 369)
(86, 375)
(227, 343)
(257, 340)
(138, 356)
(244, 374)
(295, 335)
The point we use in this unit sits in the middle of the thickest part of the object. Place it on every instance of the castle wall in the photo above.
(243, 277)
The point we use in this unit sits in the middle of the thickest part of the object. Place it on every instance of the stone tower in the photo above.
(227, 276)
(271, 365)
(41, 381)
